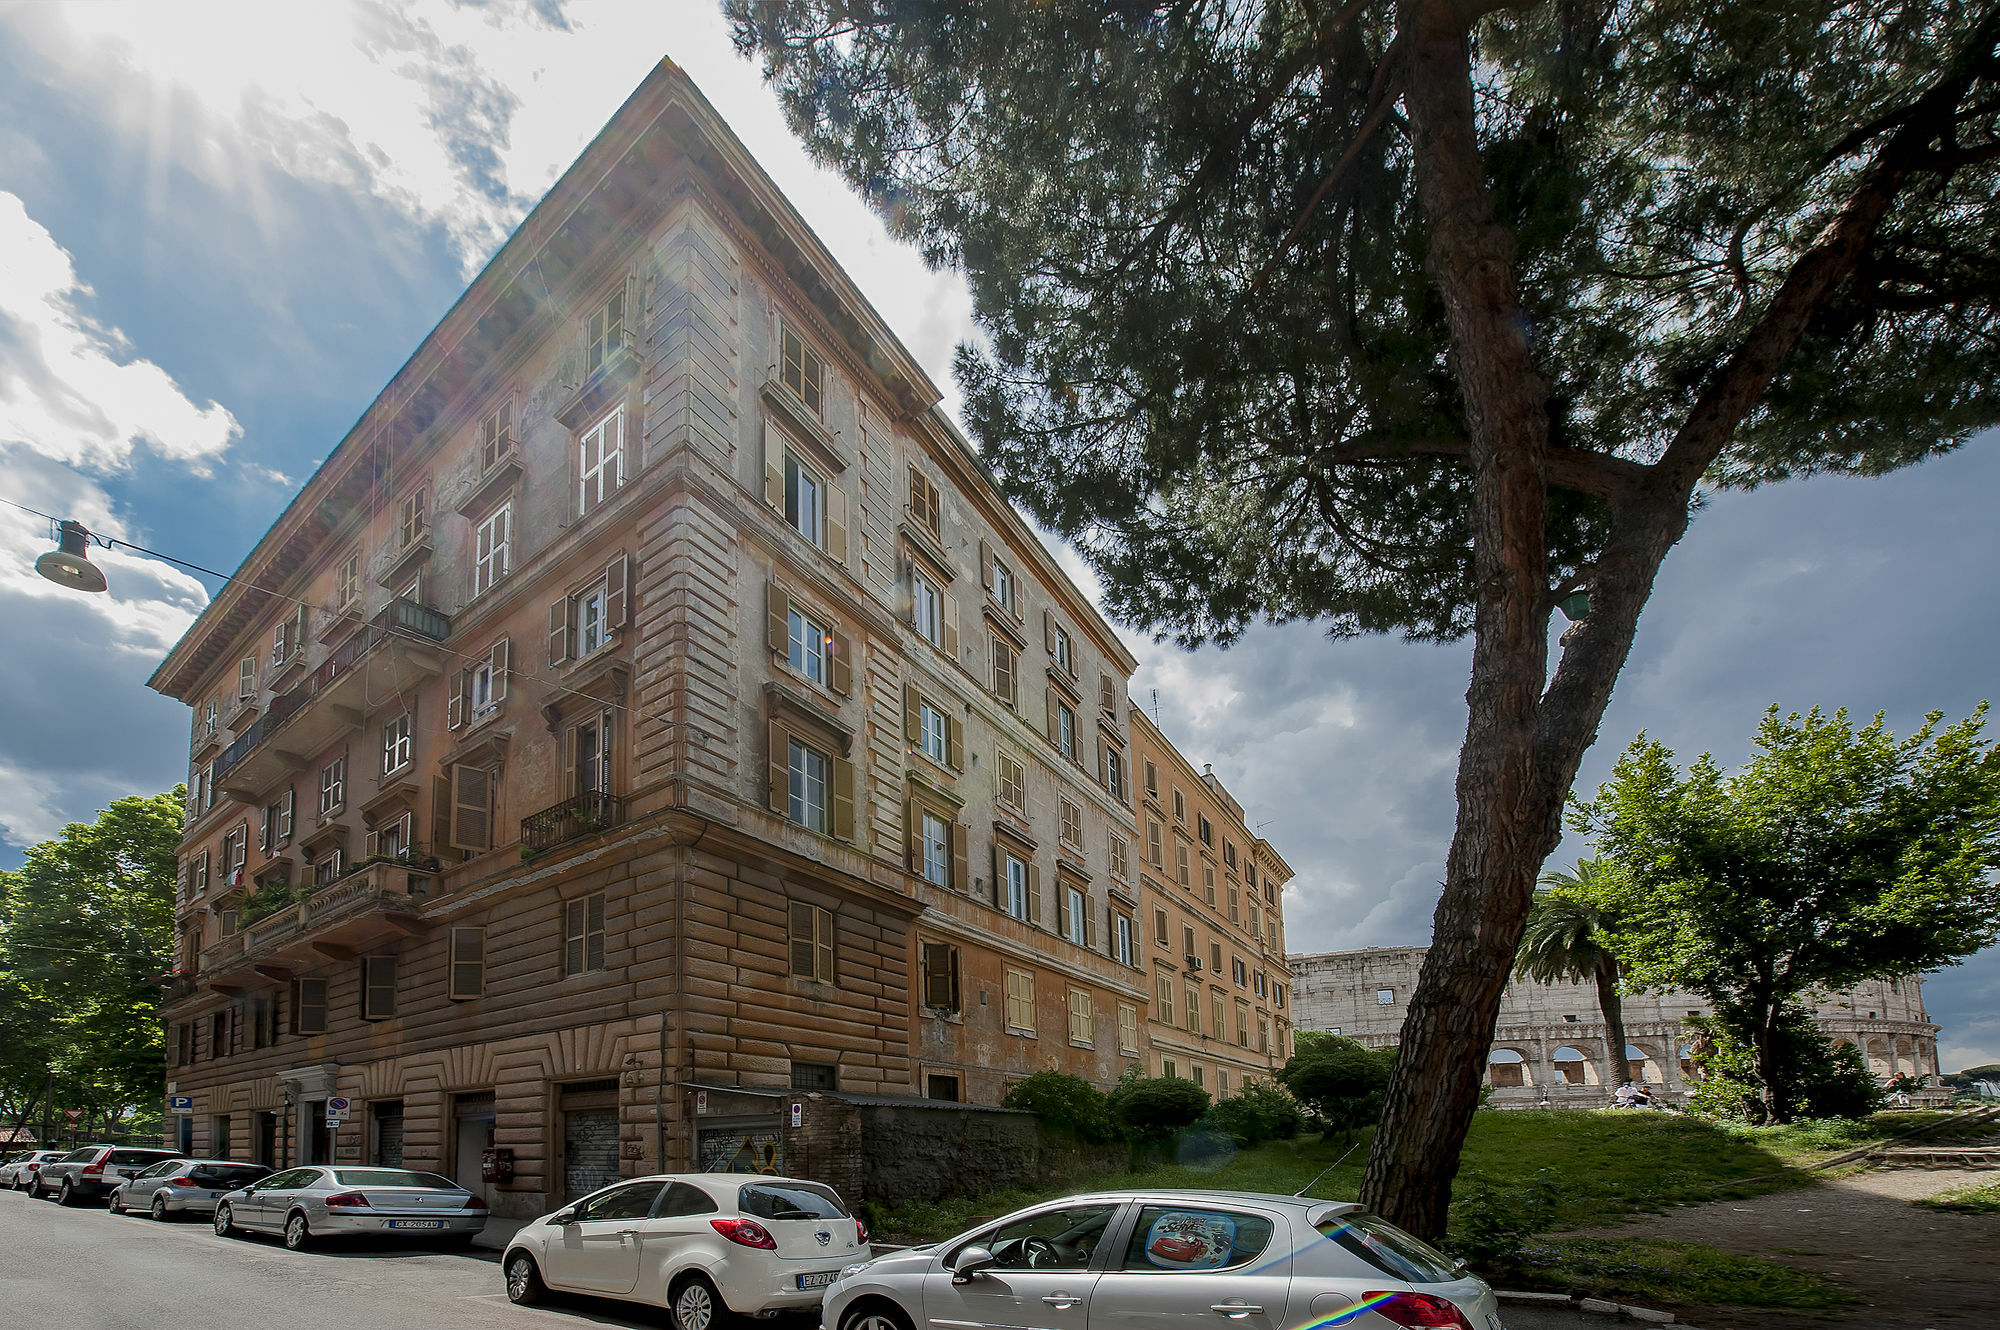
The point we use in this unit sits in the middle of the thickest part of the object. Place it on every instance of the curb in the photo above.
(1596, 1306)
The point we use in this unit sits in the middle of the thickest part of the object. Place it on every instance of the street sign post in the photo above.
(338, 1108)
(180, 1103)
(75, 1115)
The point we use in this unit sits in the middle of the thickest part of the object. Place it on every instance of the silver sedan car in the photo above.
(184, 1186)
(326, 1200)
(1137, 1260)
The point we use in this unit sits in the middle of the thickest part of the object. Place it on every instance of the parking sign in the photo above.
(337, 1108)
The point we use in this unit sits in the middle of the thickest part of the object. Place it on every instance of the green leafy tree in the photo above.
(1067, 1103)
(1260, 1112)
(1565, 939)
(88, 929)
(1154, 1108)
(1833, 856)
(1818, 1077)
(1340, 1081)
(1419, 316)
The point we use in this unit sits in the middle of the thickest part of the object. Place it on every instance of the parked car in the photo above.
(699, 1244)
(1133, 1260)
(93, 1172)
(184, 1186)
(19, 1171)
(305, 1204)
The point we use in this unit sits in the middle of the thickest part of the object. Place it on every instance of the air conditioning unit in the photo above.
(1193, 962)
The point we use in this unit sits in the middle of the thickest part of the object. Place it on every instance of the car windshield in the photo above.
(130, 1157)
(789, 1200)
(392, 1177)
(1388, 1248)
(228, 1175)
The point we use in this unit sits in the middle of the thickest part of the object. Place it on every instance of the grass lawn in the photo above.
(1980, 1200)
(1679, 1272)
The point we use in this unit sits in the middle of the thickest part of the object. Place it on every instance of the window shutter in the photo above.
(570, 782)
(948, 611)
(461, 686)
(594, 930)
(471, 808)
(1034, 895)
(1102, 761)
(370, 842)
(913, 849)
(378, 988)
(781, 768)
(801, 928)
(843, 799)
(778, 624)
(774, 469)
(1089, 925)
(1055, 736)
(961, 868)
(1003, 669)
(823, 945)
(468, 964)
(559, 631)
(298, 642)
(836, 522)
(985, 566)
(573, 937)
(618, 591)
(1062, 910)
(954, 743)
(1107, 694)
(441, 815)
(912, 719)
(999, 877)
(842, 671)
(502, 662)
(1049, 631)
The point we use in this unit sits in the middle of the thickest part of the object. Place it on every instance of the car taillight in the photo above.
(1416, 1309)
(860, 1231)
(94, 1170)
(475, 1203)
(745, 1233)
(346, 1200)
(180, 1182)
(34, 1168)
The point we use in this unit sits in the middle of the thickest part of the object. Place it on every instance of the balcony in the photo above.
(387, 655)
(378, 900)
(590, 811)
(178, 986)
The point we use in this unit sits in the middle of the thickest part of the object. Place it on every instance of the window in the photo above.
(1076, 916)
(805, 500)
(1257, 983)
(1160, 927)
(326, 868)
(806, 643)
(1119, 868)
(1006, 669)
(332, 786)
(347, 587)
(1195, 1070)
(1194, 1011)
(1128, 1028)
(1229, 855)
(496, 436)
(396, 744)
(924, 505)
(391, 840)
(801, 370)
(1235, 915)
(1071, 828)
(1169, 1068)
(1187, 939)
(288, 638)
(939, 964)
(1218, 1014)
(1013, 782)
(1385, 997)
(492, 548)
(220, 1037)
(1114, 771)
(1239, 972)
(1063, 650)
(931, 731)
(198, 873)
(1181, 852)
(807, 774)
(1062, 726)
(1256, 923)
(605, 332)
(1207, 830)
(942, 1088)
(1177, 1240)
(479, 691)
(587, 621)
(246, 679)
(1208, 883)
(378, 988)
(308, 1006)
(1018, 880)
(926, 607)
(1180, 808)
(587, 754)
(934, 840)
(822, 1076)
(811, 942)
(1242, 1023)
(1155, 854)
(1001, 583)
(211, 719)
(1020, 1001)
(1164, 1013)
(583, 934)
(1082, 1026)
(413, 517)
(600, 461)
(1222, 1080)
(1121, 938)
(468, 964)
(1263, 1034)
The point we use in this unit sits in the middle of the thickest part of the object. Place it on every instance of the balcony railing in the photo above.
(177, 987)
(590, 811)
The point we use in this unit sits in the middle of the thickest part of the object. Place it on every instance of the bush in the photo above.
(1339, 1080)
(1491, 1224)
(1261, 1113)
(1153, 1109)
(1821, 1079)
(1067, 1103)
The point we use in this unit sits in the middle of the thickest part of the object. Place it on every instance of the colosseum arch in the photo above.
(1575, 1067)
(1508, 1067)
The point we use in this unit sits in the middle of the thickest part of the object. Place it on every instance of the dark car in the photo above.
(94, 1172)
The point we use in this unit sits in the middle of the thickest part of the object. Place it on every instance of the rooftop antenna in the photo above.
(1156, 708)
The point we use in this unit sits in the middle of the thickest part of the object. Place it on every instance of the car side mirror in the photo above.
(563, 1217)
(970, 1263)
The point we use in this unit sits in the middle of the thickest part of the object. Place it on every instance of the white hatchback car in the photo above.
(699, 1244)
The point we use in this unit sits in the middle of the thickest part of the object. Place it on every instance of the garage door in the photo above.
(590, 1150)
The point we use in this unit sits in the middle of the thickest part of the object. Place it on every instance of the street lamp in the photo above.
(69, 565)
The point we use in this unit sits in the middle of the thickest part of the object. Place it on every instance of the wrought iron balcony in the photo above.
(590, 811)
(377, 899)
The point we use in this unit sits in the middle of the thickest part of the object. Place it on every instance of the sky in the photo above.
(224, 225)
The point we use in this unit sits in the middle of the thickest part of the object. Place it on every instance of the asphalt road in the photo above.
(86, 1269)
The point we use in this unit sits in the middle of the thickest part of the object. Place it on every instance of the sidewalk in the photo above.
(498, 1233)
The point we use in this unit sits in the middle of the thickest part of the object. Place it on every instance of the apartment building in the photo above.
(648, 711)
(1212, 917)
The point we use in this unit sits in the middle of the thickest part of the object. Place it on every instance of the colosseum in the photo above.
(1549, 1045)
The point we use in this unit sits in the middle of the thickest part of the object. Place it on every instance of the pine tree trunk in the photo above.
(1613, 1008)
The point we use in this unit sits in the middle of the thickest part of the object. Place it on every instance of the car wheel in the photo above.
(116, 1205)
(67, 1196)
(224, 1226)
(875, 1314)
(524, 1281)
(159, 1207)
(695, 1303)
(298, 1234)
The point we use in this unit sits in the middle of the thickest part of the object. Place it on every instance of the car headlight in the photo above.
(848, 1271)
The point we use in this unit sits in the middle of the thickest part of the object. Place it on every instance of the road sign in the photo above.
(798, 1114)
(180, 1103)
(701, 1101)
(337, 1107)
(333, 1123)
(75, 1115)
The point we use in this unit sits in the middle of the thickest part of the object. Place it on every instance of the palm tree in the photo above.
(1564, 939)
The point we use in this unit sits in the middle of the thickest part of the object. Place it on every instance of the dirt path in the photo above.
(1914, 1269)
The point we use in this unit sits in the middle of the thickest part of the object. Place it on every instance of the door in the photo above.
(319, 1141)
(264, 1141)
(1200, 1266)
(264, 1207)
(388, 1145)
(472, 1122)
(599, 1248)
(1041, 1277)
(139, 1191)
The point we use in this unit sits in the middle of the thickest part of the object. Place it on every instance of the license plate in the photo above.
(818, 1279)
(416, 1223)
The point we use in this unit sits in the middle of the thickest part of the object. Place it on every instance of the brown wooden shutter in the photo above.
(836, 522)
(954, 743)
(1089, 925)
(913, 848)
(800, 936)
(559, 631)
(378, 988)
(912, 719)
(468, 964)
(841, 673)
(573, 936)
(948, 612)
(823, 945)
(441, 814)
(1062, 910)
(1034, 895)
(571, 783)
(781, 768)
(1003, 669)
(1049, 631)
(370, 842)
(461, 688)
(999, 877)
(1107, 694)
(594, 930)
(1055, 734)
(985, 566)
(471, 808)
(774, 469)
(961, 858)
(843, 799)
(617, 591)
(778, 621)
(502, 662)
(1103, 760)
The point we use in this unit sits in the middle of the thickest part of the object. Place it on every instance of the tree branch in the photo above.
(1578, 469)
